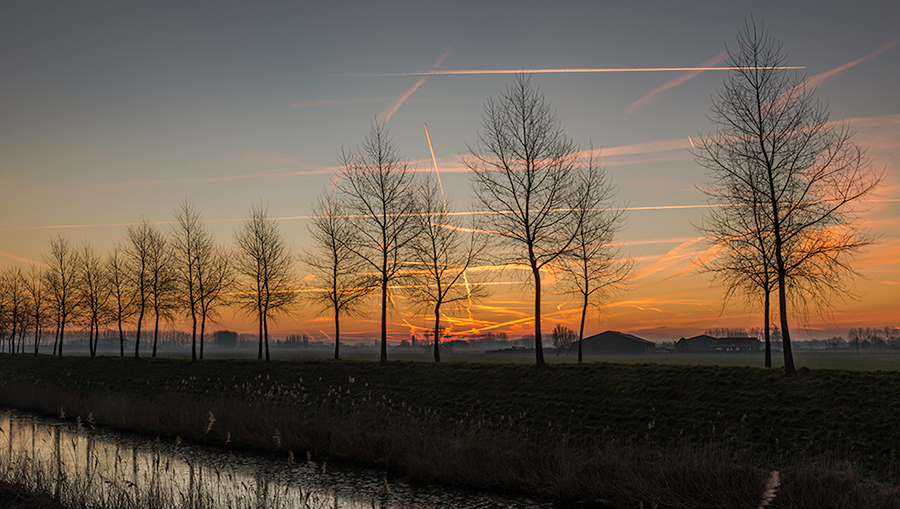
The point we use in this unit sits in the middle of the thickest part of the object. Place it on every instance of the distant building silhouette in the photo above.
(616, 343)
(708, 344)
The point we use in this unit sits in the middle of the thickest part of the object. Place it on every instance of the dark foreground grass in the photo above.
(679, 436)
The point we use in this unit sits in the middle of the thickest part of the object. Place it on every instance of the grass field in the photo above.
(813, 359)
(569, 430)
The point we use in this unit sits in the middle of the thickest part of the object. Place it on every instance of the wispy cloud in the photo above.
(651, 97)
(20, 259)
(385, 116)
(675, 255)
(822, 77)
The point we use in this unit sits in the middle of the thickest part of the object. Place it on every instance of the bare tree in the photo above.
(161, 283)
(123, 296)
(144, 241)
(61, 276)
(94, 291)
(563, 339)
(266, 262)
(215, 278)
(745, 261)
(594, 266)
(376, 193)
(441, 254)
(190, 239)
(524, 171)
(16, 305)
(774, 141)
(340, 280)
(4, 310)
(35, 286)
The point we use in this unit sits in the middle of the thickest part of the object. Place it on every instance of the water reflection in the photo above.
(83, 466)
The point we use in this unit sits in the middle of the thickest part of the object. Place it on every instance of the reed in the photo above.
(629, 443)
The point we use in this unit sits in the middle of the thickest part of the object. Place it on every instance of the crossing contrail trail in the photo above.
(433, 160)
(437, 72)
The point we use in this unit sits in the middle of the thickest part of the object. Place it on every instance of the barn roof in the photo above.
(612, 333)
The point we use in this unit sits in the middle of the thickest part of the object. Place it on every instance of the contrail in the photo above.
(385, 116)
(433, 160)
(557, 71)
(649, 98)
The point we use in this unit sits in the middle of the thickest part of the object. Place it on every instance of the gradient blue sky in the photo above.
(114, 111)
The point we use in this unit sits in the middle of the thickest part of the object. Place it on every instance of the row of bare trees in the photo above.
(149, 274)
(543, 202)
(381, 231)
(784, 187)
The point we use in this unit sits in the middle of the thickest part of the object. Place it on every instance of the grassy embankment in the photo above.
(682, 436)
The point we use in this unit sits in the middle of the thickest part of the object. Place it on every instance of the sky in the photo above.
(114, 112)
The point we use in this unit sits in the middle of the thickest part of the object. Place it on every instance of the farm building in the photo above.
(704, 344)
(616, 343)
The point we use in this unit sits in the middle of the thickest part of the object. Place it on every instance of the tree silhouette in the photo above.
(594, 266)
(441, 253)
(123, 296)
(340, 281)
(61, 280)
(525, 172)
(774, 144)
(375, 191)
(265, 260)
(37, 291)
(144, 243)
(94, 291)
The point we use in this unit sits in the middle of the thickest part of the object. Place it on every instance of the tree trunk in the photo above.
(266, 329)
(202, 332)
(581, 330)
(121, 338)
(37, 336)
(62, 335)
(538, 348)
(384, 310)
(337, 336)
(137, 337)
(767, 325)
(193, 334)
(437, 332)
(155, 332)
(260, 320)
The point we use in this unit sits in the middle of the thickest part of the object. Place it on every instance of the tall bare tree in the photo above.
(775, 140)
(17, 305)
(595, 265)
(340, 281)
(442, 252)
(123, 296)
(202, 270)
(94, 291)
(745, 262)
(61, 276)
(144, 242)
(265, 261)
(162, 286)
(375, 191)
(525, 172)
(214, 282)
(37, 291)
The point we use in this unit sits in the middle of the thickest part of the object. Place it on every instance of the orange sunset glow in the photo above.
(103, 127)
